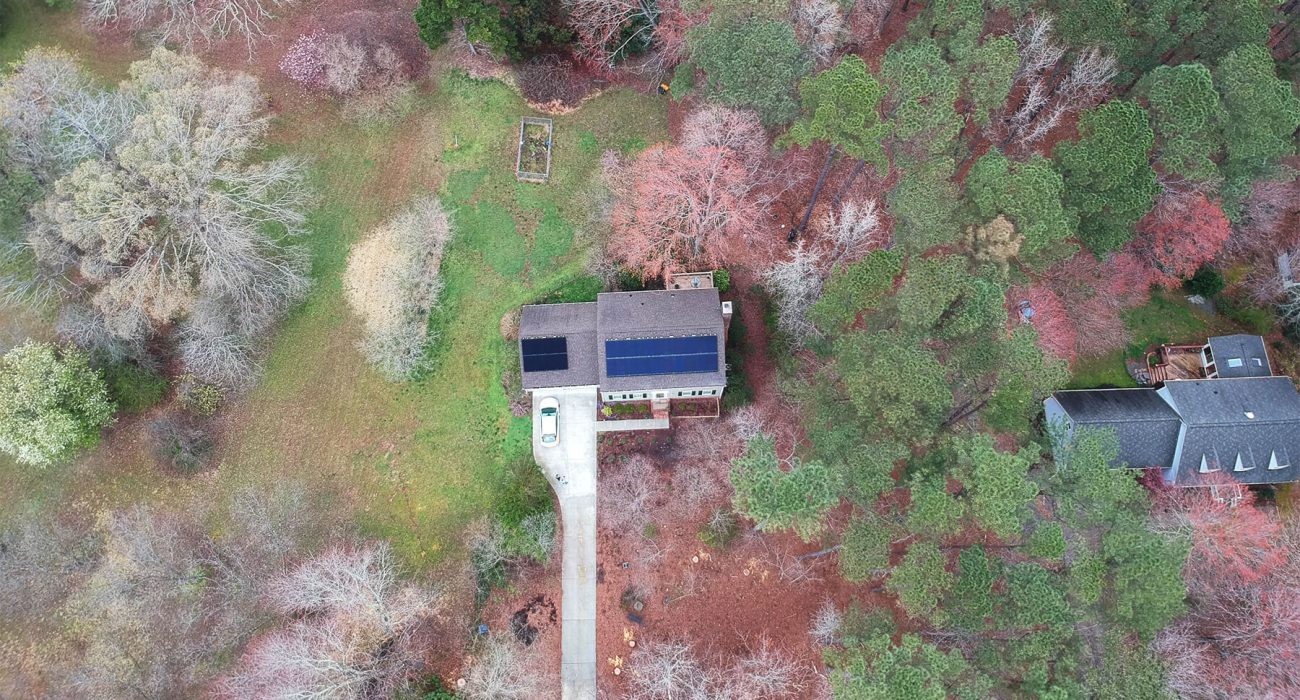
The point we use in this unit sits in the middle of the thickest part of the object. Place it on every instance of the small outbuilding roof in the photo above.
(1240, 355)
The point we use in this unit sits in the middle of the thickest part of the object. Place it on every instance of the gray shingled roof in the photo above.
(1249, 349)
(576, 323)
(660, 314)
(1147, 428)
(1256, 418)
(618, 316)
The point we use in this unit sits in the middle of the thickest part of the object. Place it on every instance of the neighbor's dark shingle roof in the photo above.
(1219, 427)
(1147, 428)
(576, 323)
(1249, 349)
(660, 314)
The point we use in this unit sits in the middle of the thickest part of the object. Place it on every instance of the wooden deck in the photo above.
(1175, 362)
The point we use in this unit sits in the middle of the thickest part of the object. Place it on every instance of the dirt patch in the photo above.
(527, 621)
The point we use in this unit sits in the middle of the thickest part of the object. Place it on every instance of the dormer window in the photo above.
(1239, 466)
(1273, 462)
(1205, 466)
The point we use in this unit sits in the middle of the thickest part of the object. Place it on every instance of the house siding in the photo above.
(692, 392)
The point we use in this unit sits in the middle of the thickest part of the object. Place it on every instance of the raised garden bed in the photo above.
(694, 408)
(533, 162)
(624, 410)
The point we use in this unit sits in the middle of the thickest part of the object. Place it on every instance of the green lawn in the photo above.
(413, 463)
(1166, 318)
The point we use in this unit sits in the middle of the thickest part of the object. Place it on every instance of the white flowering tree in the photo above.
(52, 404)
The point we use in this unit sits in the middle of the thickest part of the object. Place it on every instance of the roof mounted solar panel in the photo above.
(647, 356)
(545, 354)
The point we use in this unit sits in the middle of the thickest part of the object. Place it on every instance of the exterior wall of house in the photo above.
(1056, 415)
(693, 392)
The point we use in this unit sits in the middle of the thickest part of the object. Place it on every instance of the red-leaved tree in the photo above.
(1094, 293)
(676, 205)
(1241, 636)
(1182, 232)
(1056, 332)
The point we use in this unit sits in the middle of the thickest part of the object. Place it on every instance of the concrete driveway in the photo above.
(570, 467)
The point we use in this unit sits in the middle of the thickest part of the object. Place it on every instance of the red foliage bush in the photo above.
(1180, 234)
(1094, 292)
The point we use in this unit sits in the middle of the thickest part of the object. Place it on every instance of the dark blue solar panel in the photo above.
(545, 354)
(644, 347)
(544, 346)
(645, 356)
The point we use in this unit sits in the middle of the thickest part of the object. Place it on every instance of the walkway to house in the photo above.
(570, 467)
(610, 426)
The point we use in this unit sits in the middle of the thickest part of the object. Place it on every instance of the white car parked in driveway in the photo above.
(550, 421)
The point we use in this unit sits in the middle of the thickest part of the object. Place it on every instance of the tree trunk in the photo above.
(817, 190)
(853, 175)
(822, 553)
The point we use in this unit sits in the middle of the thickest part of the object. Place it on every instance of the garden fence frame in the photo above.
(524, 175)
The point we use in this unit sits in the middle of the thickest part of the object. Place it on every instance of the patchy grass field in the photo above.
(414, 463)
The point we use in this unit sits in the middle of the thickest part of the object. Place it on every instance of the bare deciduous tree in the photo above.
(695, 486)
(670, 670)
(1047, 98)
(502, 669)
(763, 674)
(819, 24)
(350, 634)
(188, 22)
(147, 619)
(624, 496)
(42, 559)
(825, 625)
(660, 670)
(797, 283)
(602, 26)
(56, 117)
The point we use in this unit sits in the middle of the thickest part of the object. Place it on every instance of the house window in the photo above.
(1235, 362)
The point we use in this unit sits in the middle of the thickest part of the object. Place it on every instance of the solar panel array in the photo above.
(545, 354)
(645, 356)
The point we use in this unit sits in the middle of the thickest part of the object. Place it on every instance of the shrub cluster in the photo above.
(392, 282)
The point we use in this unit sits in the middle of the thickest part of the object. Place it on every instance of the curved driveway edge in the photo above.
(570, 467)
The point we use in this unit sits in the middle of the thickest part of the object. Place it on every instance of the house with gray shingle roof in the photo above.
(654, 345)
(1245, 427)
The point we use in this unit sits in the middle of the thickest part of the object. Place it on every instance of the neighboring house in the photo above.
(1247, 427)
(630, 346)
